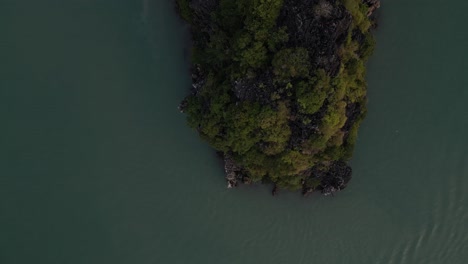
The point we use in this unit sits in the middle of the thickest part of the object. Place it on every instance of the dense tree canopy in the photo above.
(278, 86)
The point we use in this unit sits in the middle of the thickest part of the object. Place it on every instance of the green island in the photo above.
(278, 87)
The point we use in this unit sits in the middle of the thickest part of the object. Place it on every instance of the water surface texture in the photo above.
(97, 165)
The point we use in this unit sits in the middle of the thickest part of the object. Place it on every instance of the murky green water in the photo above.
(97, 165)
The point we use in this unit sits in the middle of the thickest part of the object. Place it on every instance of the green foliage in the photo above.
(359, 12)
(312, 94)
(333, 120)
(312, 183)
(244, 44)
(291, 63)
(276, 38)
(367, 47)
(252, 23)
(254, 56)
(274, 129)
(184, 10)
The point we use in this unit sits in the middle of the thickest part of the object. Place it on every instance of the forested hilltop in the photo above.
(279, 86)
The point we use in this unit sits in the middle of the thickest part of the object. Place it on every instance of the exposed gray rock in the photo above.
(232, 171)
(373, 5)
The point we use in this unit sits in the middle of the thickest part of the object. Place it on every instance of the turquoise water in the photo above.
(98, 166)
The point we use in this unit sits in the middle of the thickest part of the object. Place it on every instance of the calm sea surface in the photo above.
(97, 165)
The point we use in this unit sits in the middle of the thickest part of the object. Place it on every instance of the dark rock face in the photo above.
(336, 178)
(329, 180)
(255, 89)
(232, 171)
(301, 132)
(373, 5)
(198, 81)
(353, 111)
(202, 10)
(321, 27)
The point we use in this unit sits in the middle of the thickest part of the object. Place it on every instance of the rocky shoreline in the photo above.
(323, 28)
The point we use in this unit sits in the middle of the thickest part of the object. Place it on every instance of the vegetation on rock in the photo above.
(278, 86)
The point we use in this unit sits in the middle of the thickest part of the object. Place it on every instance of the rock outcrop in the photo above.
(373, 5)
(334, 41)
